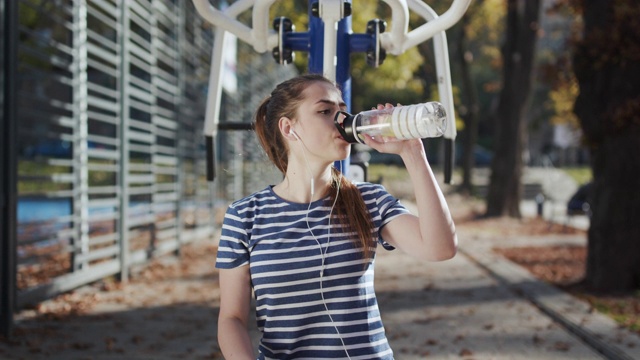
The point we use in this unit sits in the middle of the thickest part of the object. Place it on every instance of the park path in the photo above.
(455, 309)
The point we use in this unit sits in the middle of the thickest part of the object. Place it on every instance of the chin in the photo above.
(345, 152)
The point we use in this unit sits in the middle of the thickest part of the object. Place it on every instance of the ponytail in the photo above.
(352, 212)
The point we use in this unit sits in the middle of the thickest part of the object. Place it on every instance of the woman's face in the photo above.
(314, 123)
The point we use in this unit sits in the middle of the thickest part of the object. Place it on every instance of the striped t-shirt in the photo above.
(271, 236)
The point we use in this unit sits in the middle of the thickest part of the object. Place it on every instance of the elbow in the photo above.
(452, 249)
(449, 253)
(447, 250)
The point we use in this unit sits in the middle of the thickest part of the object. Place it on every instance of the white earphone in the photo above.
(295, 135)
(323, 251)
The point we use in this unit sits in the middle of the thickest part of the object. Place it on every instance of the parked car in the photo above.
(579, 204)
(481, 156)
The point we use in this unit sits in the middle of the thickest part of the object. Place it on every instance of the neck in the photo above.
(300, 180)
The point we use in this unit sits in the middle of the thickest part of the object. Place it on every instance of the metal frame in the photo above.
(119, 91)
(330, 42)
(8, 16)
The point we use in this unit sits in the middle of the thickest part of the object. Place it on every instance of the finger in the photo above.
(374, 143)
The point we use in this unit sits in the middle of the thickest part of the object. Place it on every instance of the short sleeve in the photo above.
(233, 249)
(387, 208)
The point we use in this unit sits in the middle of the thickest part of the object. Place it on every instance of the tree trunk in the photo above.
(607, 66)
(518, 55)
(469, 112)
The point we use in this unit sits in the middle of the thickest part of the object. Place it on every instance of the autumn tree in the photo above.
(475, 56)
(504, 193)
(607, 66)
(468, 112)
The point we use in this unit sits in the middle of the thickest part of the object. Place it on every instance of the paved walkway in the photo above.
(475, 306)
(457, 309)
(480, 305)
(572, 317)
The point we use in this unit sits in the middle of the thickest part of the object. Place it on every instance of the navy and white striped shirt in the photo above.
(271, 236)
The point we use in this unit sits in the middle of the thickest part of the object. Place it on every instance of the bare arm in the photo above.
(235, 304)
(431, 235)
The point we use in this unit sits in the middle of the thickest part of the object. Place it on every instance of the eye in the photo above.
(324, 112)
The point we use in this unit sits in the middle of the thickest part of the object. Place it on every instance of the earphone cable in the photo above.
(323, 252)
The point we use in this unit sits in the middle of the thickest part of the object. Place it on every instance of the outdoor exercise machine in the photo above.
(330, 42)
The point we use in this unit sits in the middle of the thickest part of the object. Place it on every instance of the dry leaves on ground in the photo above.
(162, 277)
(560, 265)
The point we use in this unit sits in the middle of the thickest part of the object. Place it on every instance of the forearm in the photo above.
(234, 340)
(437, 229)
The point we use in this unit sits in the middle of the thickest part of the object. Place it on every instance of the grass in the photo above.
(625, 310)
(38, 177)
(581, 175)
(387, 172)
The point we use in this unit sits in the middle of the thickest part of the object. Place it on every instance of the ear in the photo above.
(286, 128)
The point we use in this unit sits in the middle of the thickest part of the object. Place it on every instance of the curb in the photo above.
(598, 331)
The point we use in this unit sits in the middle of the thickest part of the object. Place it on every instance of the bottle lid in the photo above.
(346, 126)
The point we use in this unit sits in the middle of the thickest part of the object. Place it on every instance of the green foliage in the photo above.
(484, 33)
(31, 17)
(486, 26)
(561, 100)
(483, 28)
(622, 309)
(296, 11)
(396, 80)
(36, 177)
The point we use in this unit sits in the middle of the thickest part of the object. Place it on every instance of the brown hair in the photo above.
(284, 101)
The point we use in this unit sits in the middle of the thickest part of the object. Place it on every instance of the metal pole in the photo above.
(316, 41)
(343, 76)
(123, 176)
(81, 132)
(8, 166)
(343, 73)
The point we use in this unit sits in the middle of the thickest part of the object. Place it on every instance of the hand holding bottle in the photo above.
(388, 123)
(392, 145)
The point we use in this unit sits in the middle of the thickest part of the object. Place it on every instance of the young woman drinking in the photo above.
(305, 248)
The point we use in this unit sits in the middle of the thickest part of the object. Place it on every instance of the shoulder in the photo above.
(370, 190)
(259, 201)
(258, 198)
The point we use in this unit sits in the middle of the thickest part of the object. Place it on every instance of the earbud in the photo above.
(295, 135)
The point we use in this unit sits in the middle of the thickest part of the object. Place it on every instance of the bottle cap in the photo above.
(346, 126)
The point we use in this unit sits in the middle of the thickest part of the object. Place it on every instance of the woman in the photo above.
(306, 246)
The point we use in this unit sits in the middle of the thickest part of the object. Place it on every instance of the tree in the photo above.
(607, 66)
(518, 52)
(475, 56)
(470, 108)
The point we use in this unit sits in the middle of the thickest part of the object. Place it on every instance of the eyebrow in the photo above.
(329, 102)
